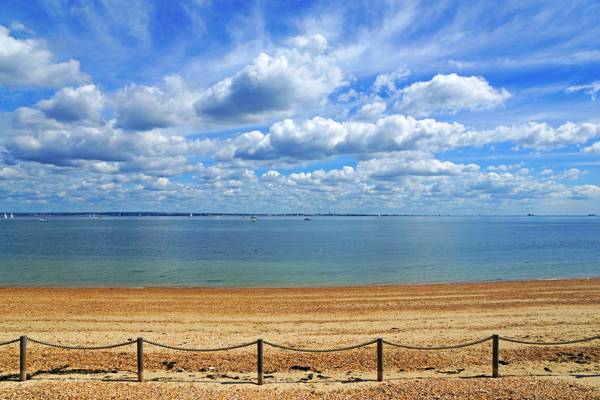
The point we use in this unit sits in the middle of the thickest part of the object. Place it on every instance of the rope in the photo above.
(62, 346)
(9, 342)
(298, 349)
(356, 346)
(454, 346)
(224, 348)
(587, 339)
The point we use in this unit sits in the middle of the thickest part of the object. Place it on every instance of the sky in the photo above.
(410, 107)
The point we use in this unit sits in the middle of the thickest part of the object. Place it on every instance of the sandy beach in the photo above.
(316, 318)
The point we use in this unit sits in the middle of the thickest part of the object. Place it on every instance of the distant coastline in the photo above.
(225, 214)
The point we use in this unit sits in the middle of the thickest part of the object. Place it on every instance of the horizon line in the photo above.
(282, 214)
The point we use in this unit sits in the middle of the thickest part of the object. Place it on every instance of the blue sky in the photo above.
(300, 106)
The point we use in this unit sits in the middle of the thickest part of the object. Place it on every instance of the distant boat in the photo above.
(253, 219)
(530, 215)
(11, 215)
(5, 216)
(306, 219)
(191, 215)
(43, 219)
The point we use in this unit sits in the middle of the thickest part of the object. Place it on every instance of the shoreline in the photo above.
(342, 286)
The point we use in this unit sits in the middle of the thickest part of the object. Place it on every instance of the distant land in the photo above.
(212, 214)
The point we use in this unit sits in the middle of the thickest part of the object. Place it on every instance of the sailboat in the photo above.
(191, 215)
(5, 216)
(11, 216)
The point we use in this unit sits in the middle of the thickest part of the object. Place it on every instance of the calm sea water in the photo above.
(280, 251)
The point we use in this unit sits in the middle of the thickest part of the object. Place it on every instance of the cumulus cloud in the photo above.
(270, 86)
(586, 192)
(65, 144)
(28, 62)
(371, 111)
(70, 104)
(9, 173)
(158, 184)
(542, 135)
(389, 168)
(403, 182)
(591, 89)
(139, 107)
(451, 93)
(387, 82)
(570, 174)
(274, 85)
(594, 148)
(320, 137)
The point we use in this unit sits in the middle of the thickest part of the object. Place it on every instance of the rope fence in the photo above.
(587, 339)
(260, 343)
(201, 350)
(332, 350)
(449, 347)
(78, 347)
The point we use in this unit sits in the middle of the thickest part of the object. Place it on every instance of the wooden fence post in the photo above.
(259, 361)
(140, 359)
(495, 351)
(23, 358)
(379, 359)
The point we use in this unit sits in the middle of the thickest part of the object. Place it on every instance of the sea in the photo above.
(233, 251)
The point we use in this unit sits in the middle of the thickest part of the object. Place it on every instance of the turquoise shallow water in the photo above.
(290, 252)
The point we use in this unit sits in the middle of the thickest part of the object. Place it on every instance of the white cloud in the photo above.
(315, 44)
(139, 107)
(274, 85)
(371, 111)
(387, 82)
(419, 184)
(572, 174)
(586, 191)
(16, 26)
(158, 184)
(9, 173)
(389, 168)
(449, 94)
(542, 135)
(320, 137)
(27, 62)
(62, 144)
(268, 87)
(594, 148)
(591, 89)
(84, 103)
